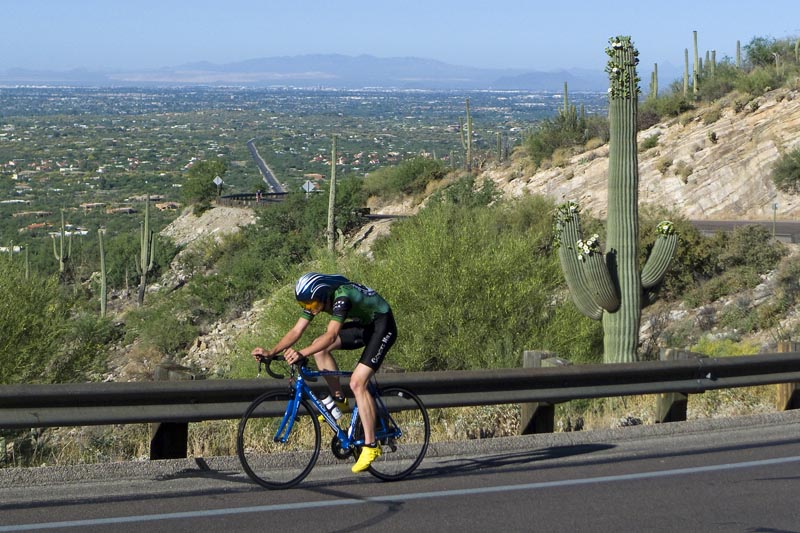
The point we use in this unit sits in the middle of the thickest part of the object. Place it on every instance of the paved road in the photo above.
(269, 177)
(786, 231)
(724, 475)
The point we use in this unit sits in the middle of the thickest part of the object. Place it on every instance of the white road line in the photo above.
(397, 497)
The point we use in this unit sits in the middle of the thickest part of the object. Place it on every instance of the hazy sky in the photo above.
(530, 34)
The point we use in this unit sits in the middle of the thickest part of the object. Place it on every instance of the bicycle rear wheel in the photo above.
(277, 465)
(400, 456)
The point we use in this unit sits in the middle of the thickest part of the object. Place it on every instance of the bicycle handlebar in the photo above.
(267, 360)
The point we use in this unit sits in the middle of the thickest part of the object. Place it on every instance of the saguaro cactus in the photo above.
(696, 67)
(685, 72)
(103, 282)
(62, 255)
(147, 252)
(466, 138)
(332, 200)
(739, 54)
(610, 287)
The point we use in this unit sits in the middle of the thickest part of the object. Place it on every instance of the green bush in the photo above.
(786, 172)
(409, 177)
(565, 130)
(759, 81)
(725, 79)
(199, 188)
(164, 325)
(474, 288)
(649, 142)
(33, 320)
(653, 110)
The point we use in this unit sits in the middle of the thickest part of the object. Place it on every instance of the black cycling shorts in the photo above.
(376, 338)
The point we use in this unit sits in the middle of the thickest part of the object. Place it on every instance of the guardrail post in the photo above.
(169, 440)
(788, 396)
(538, 417)
(671, 406)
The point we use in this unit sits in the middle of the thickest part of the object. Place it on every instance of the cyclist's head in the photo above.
(313, 289)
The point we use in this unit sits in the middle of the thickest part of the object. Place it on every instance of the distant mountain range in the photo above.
(325, 70)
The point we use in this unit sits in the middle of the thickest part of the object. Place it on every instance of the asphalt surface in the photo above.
(736, 474)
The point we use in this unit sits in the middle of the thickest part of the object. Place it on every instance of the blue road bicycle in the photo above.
(279, 436)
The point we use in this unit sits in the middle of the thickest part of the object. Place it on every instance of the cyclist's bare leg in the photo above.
(325, 361)
(366, 404)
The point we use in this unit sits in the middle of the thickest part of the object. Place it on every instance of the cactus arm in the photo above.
(587, 276)
(660, 256)
(152, 252)
(578, 284)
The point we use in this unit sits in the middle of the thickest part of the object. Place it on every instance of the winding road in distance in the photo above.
(269, 177)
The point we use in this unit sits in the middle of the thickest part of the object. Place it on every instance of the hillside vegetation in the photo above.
(471, 276)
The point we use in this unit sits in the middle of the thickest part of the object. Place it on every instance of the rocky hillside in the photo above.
(713, 164)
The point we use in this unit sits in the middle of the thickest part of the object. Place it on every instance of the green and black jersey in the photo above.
(354, 301)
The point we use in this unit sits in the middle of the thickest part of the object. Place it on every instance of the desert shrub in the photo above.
(653, 110)
(725, 78)
(565, 130)
(683, 170)
(122, 252)
(41, 340)
(749, 246)
(649, 142)
(735, 262)
(164, 325)
(474, 287)
(786, 172)
(409, 177)
(723, 347)
(712, 115)
(465, 193)
(759, 81)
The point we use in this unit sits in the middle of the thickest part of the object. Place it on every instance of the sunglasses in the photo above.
(312, 306)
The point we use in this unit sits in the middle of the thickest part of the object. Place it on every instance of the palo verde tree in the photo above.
(199, 189)
(610, 287)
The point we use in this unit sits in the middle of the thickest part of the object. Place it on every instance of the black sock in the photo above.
(372, 445)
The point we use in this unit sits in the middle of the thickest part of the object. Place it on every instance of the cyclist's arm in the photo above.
(325, 340)
(288, 340)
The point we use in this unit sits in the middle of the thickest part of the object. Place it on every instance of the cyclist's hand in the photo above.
(259, 353)
(292, 356)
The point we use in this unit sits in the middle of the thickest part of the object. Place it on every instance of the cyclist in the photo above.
(360, 318)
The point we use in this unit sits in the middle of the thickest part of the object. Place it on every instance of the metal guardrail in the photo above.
(27, 406)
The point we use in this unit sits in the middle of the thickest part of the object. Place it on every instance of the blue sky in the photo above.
(529, 34)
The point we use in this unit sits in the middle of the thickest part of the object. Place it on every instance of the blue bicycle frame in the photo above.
(385, 426)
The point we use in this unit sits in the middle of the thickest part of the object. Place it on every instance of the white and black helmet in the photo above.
(317, 287)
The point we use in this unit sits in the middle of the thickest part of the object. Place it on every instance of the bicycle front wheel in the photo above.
(271, 464)
(400, 456)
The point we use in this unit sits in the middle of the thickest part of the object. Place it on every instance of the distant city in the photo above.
(332, 71)
(96, 152)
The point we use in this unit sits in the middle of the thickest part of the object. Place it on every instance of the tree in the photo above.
(199, 189)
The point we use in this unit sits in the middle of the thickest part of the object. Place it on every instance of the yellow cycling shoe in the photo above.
(368, 455)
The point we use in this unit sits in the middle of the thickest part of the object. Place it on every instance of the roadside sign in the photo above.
(309, 186)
